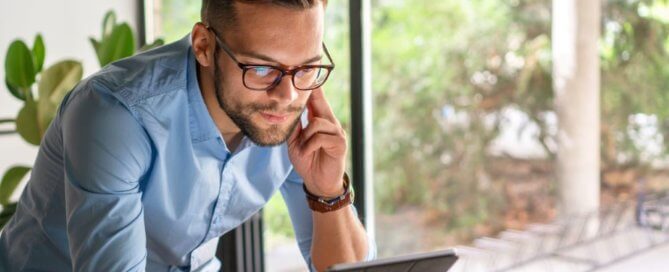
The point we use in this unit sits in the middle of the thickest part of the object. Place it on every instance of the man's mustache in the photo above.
(274, 107)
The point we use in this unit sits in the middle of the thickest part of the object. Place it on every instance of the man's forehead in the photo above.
(277, 34)
(268, 58)
(250, 13)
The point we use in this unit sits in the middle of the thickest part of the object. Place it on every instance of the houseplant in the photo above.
(24, 70)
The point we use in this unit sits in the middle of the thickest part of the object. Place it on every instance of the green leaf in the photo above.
(55, 83)
(156, 43)
(59, 79)
(10, 181)
(15, 91)
(120, 44)
(39, 52)
(108, 24)
(96, 45)
(19, 67)
(7, 213)
(27, 123)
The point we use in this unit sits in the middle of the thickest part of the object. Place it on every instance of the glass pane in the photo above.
(465, 123)
(173, 19)
(461, 97)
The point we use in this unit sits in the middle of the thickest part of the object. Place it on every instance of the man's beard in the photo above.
(241, 115)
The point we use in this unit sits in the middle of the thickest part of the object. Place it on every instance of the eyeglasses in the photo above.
(265, 77)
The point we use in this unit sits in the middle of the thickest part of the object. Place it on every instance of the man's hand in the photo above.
(318, 152)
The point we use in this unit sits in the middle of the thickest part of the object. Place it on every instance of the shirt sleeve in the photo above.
(300, 216)
(105, 152)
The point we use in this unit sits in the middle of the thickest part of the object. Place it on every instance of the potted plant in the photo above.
(24, 71)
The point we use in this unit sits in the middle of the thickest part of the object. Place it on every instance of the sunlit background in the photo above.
(464, 113)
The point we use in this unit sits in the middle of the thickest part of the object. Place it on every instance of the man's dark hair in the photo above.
(221, 13)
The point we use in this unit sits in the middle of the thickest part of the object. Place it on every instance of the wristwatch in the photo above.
(323, 205)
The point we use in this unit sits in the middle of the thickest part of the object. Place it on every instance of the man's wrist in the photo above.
(339, 190)
(325, 204)
(328, 196)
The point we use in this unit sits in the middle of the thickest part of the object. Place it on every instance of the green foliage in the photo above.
(276, 216)
(6, 213)
(38, 53)
(23, 66)
(117, 40)
(156, 43)
(15, 91)
(178, 18)
(635, 69)
(20, 69)
(27, 124)
(10, 181)
(437, 61)
(55, 83)
(431, 57)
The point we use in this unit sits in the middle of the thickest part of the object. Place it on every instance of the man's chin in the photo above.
(272, 135)
(267, 139)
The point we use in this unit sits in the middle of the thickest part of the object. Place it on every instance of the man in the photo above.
(152, 159)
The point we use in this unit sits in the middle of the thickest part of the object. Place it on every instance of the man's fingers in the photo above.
(333, 145)
(318, 125)
(319, 107)
(324, 130)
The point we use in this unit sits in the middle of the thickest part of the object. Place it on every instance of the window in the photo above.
(458, 112)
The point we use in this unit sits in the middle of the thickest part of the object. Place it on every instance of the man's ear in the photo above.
(203, 44)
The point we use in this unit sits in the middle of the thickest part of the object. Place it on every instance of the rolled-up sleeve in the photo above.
(301, 217)
(106, 153)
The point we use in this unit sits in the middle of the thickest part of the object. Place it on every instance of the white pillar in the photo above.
(576, 80)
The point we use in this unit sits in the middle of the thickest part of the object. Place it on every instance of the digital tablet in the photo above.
(436, 261)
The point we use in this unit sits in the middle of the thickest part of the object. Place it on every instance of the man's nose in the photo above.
(284, 92)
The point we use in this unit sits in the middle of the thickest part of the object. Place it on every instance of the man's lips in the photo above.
(274, 118)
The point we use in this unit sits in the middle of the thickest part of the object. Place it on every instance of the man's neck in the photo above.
(232, 135)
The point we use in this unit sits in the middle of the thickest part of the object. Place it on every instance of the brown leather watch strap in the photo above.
(323, 205)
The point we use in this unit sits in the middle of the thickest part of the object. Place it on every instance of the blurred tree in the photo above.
(445, 71)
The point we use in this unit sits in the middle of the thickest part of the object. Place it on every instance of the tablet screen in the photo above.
(436, 261)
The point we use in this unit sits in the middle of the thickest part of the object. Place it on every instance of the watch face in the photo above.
(320, 204)
(334, 200)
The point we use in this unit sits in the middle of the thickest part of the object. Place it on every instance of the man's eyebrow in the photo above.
(270, 59)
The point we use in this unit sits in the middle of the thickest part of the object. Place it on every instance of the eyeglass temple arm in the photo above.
(223, 45)
(327, 53)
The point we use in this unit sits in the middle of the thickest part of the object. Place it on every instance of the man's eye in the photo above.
(261, 71)
(305, 71)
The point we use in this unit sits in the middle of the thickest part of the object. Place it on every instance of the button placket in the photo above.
(222, 200)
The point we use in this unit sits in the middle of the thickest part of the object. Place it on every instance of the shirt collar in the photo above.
(202, 126)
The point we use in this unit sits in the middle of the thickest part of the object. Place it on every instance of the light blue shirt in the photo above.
(133, 175)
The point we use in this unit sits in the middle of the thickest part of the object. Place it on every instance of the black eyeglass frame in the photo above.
(283, 71)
